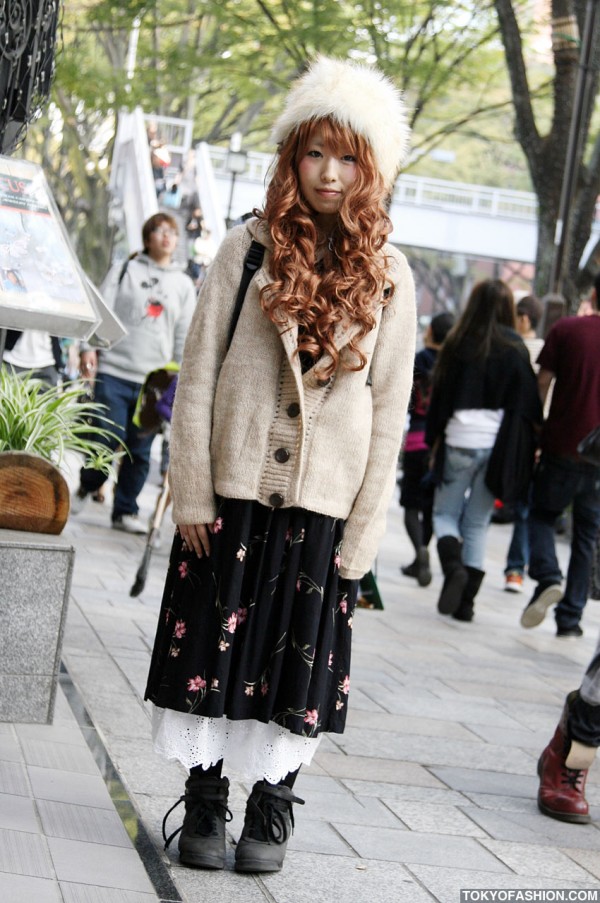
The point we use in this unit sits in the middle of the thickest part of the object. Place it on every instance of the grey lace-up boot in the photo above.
(268, 824)
(202, 834)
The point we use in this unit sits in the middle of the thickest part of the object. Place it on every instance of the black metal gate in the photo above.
(27, 50)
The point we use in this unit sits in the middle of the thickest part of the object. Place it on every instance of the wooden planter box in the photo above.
(36, 574)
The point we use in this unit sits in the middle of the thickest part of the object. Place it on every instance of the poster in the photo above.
(42, 285)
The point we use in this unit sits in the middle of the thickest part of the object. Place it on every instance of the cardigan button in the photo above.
(282, 455)
(293, 409)
(323, 383)
(276, 500)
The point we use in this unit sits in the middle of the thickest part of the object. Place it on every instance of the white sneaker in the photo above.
(513, 582)
(129, 523)
(79, 500)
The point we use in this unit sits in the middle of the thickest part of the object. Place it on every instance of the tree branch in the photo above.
(526, 128)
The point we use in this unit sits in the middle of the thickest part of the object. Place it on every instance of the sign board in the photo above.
(42, 284)
(110, 330)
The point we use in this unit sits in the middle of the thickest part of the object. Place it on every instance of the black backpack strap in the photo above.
(252, 262)
(125, 265)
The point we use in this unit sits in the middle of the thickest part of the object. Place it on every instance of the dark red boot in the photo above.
(563, 769)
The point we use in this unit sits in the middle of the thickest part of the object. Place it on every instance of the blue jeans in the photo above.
(518, 551)
(120, 397)
(557, 483)
(463, 504)
(584, 712)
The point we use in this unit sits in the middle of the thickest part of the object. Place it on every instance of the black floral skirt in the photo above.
(262, 628)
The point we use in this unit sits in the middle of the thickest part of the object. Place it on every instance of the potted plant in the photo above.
(38, 426)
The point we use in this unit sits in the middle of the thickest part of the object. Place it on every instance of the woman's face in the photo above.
(325, 176)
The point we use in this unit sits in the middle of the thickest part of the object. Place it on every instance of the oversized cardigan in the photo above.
(248, 424)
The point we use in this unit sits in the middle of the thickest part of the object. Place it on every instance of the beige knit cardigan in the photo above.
(247, 424)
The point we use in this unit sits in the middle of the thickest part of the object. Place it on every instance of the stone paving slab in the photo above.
(25, 889)
(537, 861)
(76, 822)
(409, 847)
(407, 792)
(18, 813)
(24, 853)
(63, 786)
(533, 741)
(431, 818)
(589, 859)
(431, 789)
(309, 878)
(432, 751)
(524, 826)
(78, 862)
(378, 769)
(85, 893)
(445, 884)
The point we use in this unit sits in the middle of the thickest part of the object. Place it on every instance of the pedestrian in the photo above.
(160, 160)
(36, 353)
(416, 485)
(570, 358)
(284, 452)
(564, 764)
(482, 379)
(529, 315)
(154, 301)
(194, 226)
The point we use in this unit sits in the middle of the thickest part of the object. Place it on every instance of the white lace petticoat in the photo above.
(251, 749)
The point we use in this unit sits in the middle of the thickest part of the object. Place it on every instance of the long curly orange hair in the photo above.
(347, 281)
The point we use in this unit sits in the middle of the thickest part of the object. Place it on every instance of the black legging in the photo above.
(419, 526)
(214, 771)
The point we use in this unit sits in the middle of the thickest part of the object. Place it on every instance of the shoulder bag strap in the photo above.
(252, 262)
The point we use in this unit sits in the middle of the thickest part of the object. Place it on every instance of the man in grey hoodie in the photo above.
(154, 300)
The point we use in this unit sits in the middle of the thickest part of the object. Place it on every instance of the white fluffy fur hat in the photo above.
(356, 96)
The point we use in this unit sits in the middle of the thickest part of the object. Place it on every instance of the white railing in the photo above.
(257, 164)
(212, 207)
(465, 198)
(416, 190)
(175, 134)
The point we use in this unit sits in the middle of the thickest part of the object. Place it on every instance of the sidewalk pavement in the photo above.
(431, 789)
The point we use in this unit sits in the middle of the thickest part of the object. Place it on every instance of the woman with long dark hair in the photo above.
(482, 378)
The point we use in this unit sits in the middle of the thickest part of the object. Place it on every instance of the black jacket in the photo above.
(503, 381)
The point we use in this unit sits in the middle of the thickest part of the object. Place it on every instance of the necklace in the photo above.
(326, 241)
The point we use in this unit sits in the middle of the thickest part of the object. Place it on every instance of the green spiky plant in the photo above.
(52, 421)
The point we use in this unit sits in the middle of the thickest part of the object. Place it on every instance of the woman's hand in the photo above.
(196, 537)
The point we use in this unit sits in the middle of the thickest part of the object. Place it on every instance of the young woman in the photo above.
(283, 456)
(529, 313)
(416, 486)
(482, 378)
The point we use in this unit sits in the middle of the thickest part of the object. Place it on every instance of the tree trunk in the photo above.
(546, 156)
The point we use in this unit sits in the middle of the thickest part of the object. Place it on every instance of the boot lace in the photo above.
(271, 817)
(573, 777)
(202, 815)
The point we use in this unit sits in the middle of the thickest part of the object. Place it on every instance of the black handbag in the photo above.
(589, 447)
(510, 466)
